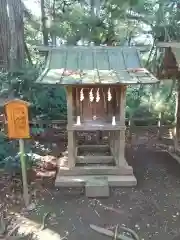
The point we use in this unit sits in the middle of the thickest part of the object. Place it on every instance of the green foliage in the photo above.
(46, 101)
(12, 164)
(5, 148)
(149, 101)
(35, 131)
(50, 102)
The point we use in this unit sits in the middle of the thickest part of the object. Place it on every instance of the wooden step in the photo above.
(96, 170)
(96, 156)
(94, 159)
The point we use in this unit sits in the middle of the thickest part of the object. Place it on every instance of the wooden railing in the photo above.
(150, 122)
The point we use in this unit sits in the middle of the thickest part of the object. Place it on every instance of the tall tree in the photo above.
(44, 23)
(16, 24)
(4, 35)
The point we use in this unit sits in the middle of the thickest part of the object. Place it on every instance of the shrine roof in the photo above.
(175, 47)
(95, 65)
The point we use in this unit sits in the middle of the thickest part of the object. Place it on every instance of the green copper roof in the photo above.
(95, 65)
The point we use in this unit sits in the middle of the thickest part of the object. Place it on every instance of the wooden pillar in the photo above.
(116, 148)
(71, 140)
(114, 106)
(122, 106)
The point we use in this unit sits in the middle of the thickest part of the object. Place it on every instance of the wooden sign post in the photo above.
(18, 128)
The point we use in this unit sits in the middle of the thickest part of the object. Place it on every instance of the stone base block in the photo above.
(97, 187)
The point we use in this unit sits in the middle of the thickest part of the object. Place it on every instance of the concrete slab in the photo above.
(80, 181)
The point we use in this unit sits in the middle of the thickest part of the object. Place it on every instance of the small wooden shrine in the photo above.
(169, 67)
(95, 79)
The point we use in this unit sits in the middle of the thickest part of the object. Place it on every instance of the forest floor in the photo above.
(152, 208)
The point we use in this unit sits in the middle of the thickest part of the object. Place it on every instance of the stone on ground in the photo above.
(97, 187)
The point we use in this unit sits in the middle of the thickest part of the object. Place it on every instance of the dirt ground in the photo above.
(152, 208)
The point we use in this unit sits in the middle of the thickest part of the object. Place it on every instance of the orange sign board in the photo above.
(17, 119)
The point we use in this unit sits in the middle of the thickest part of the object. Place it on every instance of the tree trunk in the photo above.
(53, 33)
(92, 6)
(175, 121)
(4, 35)
(43, 22)
(16, 35)
(28, 53)
(178, 112)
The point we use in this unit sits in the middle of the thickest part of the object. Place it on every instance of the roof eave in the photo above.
(168, 44)
(49, 48)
